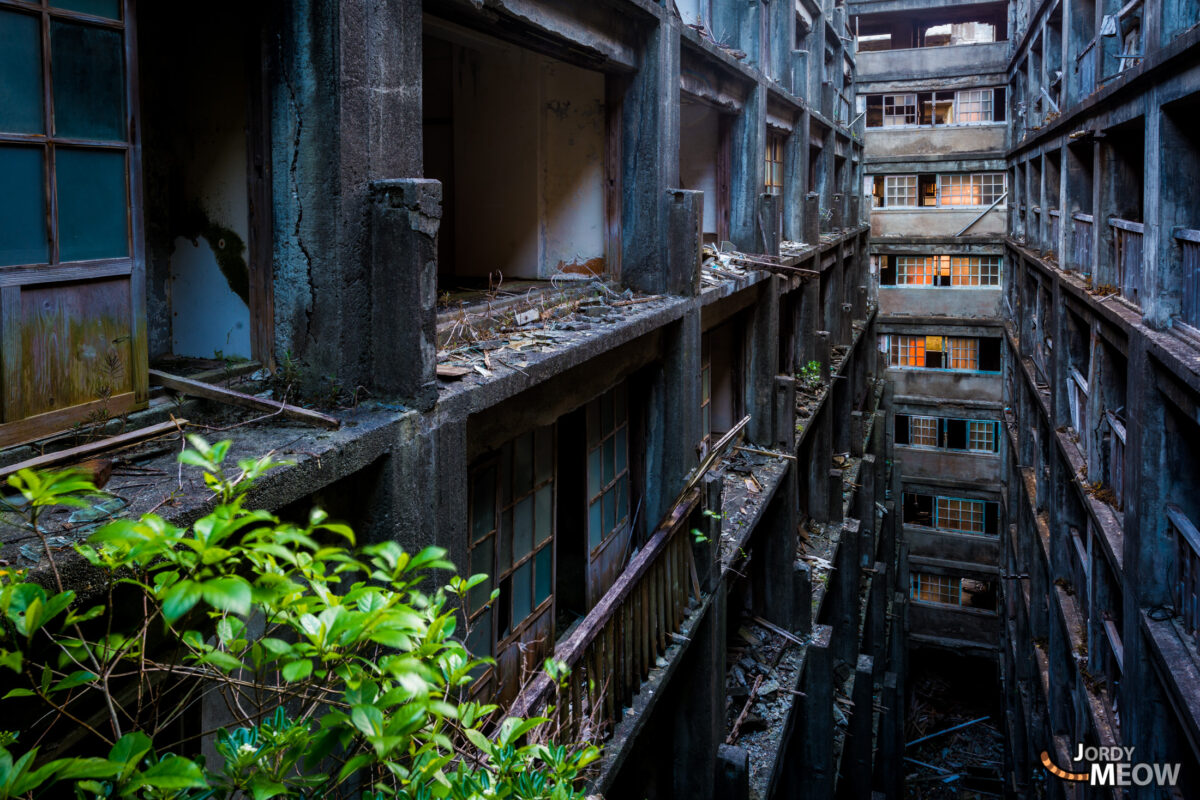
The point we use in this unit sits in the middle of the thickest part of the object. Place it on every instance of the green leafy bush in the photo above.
(340, 674)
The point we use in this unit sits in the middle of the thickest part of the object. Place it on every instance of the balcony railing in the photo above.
(1127, 256)
(613, 649)
(1081, 242)
(1189, 243)
(1055, 228)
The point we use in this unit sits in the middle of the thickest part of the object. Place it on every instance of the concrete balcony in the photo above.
(926, 62)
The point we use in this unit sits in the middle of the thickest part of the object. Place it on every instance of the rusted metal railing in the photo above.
(1127, 256)
(1081, 242)
(1189, 244)
(616, 645)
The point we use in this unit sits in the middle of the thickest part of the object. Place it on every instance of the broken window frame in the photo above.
(939, 109)
(905, 351)
(1186, 539)
(964, 272)
(985, 432)
(929, 587)
(899, 110)
(923, 431)
(607, 423)
(950, 190)
(506, 497)
(959, 515)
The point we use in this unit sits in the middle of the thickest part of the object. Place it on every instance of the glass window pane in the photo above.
(483, 504)
(522, 528)
(479, 640)
(544, 454)
(594, 484)
(88, 78)
(543, 515)
(543, 572)
(481, 562)
(620, 439)
(523, 459)
(505, 543)
(23, 238)
(521, 592)
(609, 454)
(21, 66)
(99, 8)
(93, 211)
(610, 517)
(595, 525)
(622, 498)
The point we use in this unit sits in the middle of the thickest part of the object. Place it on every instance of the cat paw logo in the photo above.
(1114, 766)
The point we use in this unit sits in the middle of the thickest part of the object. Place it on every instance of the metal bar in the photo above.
(983, 213)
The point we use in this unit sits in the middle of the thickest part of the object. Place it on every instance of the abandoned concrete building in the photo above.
(769, 356)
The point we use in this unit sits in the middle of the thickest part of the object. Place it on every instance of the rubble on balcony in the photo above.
(749, 481)
(489, 332)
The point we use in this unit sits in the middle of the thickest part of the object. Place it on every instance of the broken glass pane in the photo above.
(522, 528)
(594, 484)
(23, 237)
(595, 525)
(89, 87)
(543, 514)
(521, 592)
(543, 572)
(609, 455)
(21, 66)
(481, 563)
(100, 8)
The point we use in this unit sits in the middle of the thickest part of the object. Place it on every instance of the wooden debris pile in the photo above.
(725, 263)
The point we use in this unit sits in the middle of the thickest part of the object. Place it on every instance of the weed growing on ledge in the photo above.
(338, 668)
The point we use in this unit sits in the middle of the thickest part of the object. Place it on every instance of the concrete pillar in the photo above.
(707, 553)
(698, 725)
(785, 413)
(674, 426)
(839, 397)
(866, 503)
(761, 364)
(806, 328)
(813, 776)
(685, 225)
(856, 433)
(802, 605)
(837, 222)
(749, 142)
(767, 224)
(775, 552)
(889, 773)
(835, 504)
(857, 755)
(733, 773)
(824, 354)
(846, 622)
(812, 218)
(649, 160)
(405, 215)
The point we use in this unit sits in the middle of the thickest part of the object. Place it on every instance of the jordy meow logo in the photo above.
(1114, 766)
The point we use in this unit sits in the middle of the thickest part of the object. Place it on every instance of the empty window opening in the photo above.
(523, 171)
(208, 255)
(704, 163)
(722, 395)
(945, 433)
(942, 352)
(976, 24)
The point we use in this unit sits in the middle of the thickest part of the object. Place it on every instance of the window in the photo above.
(1187, 569)
(914, 270)
(76, 144)
(1077, 399)
(923, 431)
(774, 167)
(935, 588)
(975, 270)
(981, 436)
(899, 109)
(964, 353)
(970, 190)
(907, 351)
(511, 498)
(608, 465)
(1116, 457)
(962, 516)
(900, 190)
(973, 106)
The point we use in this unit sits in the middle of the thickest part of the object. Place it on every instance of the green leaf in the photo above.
(173, 772)
(480, 741)
(368, 719)
(513, 728)
(179, 600)
(297, 670)
(13, 659)
(19, 693)
(77, 678)
(230, 594)
(75, 768)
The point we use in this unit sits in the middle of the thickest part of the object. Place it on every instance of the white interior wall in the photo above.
(528, 163)
(206, 315)
(698, 138)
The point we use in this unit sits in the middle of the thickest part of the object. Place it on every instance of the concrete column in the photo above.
(405, 214)
(812, 218)
(839, 397)
(866, 503)
(685, 225)
(733, 773)
(802, 605)
(775, 552)
(823, 353)
(812, 776)
(856, 433)
(650, 163)
(761, 364)
(846, 621)
(795, 160)
(767, 224)
(698, 724)
(889, 773)
(818, 468)
(857, 755)
(837, 222)
(809, 321)
(674, 427)
(835, 505)
(707, 553)
(749, 142)
(785, 413)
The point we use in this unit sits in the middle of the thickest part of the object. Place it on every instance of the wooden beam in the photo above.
(221, 395)
(91, 448)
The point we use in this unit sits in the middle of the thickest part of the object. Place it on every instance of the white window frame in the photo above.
(896, 187)
(972, 271)
(914, 270)
(974, 107)
(986, 430)
(927, 426)
(902, 107)
(974, 510)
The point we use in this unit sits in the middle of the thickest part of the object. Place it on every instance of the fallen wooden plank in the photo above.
(223, 395)
(452, 372)
(91, 448)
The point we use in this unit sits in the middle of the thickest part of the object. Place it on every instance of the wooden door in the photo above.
(72, 293)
